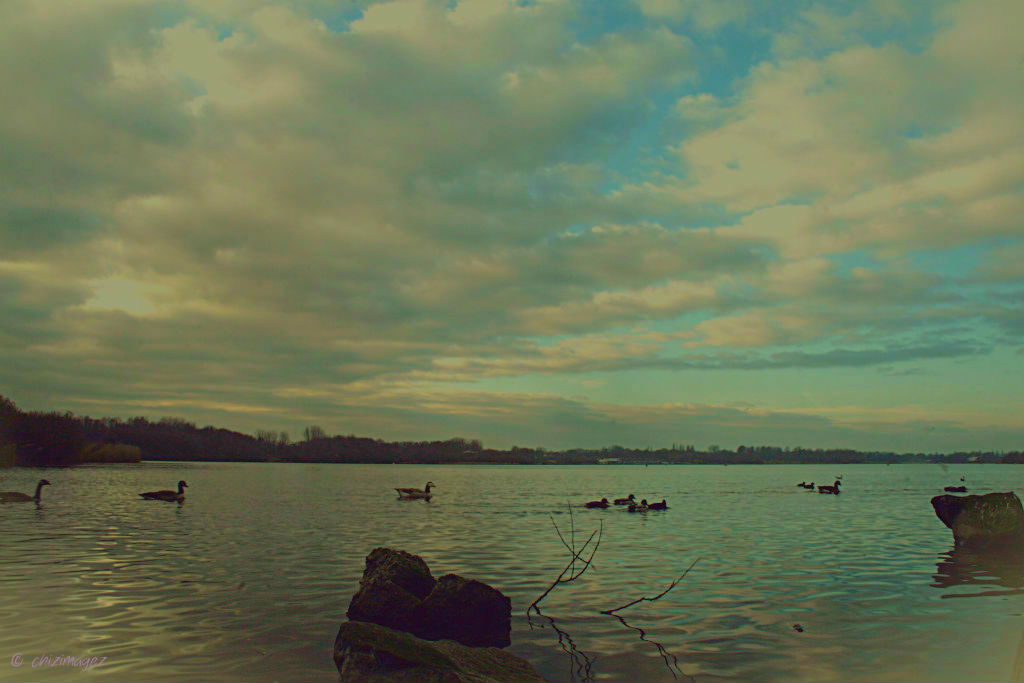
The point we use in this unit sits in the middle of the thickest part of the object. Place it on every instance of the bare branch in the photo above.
(559, 532)
(659, 595)
(570, 567)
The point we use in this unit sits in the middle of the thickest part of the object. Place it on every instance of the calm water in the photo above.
(249, 579)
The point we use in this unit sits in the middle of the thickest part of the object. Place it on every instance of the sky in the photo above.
(555, 223)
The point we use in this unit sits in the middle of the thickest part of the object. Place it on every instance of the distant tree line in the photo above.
(37, 438)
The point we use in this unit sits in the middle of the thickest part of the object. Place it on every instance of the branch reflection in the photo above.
(581, 664)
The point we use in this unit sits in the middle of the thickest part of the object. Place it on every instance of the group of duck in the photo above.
(167, 495)
(833, 489)
(629, 501)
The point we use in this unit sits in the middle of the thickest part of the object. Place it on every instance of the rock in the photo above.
(398, 591)
(394, 584)
(994, 519)
(405, 569)
(465, 610)
(366, 653)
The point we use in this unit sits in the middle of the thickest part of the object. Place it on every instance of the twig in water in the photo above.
(672, 666)
(659, 595)
(580, 663)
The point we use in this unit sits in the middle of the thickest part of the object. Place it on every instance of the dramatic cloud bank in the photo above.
(554, 223)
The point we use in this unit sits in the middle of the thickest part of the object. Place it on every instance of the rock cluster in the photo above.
(407, 625)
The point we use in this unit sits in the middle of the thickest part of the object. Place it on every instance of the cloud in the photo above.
(208, 205)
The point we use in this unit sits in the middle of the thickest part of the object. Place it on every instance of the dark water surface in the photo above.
(249, 579)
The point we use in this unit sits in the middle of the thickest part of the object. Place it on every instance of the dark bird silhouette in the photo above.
(658, 506)
(603, 503)
(170, 496)
(18, 497)
(806, 486)
(629, 500)
(416, 493)
(830, 489)
(642, 507)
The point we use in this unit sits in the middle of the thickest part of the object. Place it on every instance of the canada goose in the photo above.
(628, 500)
(830, 489)
(658, 506)
(416, 493)
(18, 497)
(170, 496)
(603, 503)
(956, 489)
(642, 507)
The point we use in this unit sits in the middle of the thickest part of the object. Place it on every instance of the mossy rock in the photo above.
(994, 519)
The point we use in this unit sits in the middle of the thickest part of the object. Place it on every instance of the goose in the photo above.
(416, 493)
(830, 489)
(170, 496)
(18, 497)
(956, 489)
(603, 503)
(658, 506)
(642, 507)
(628, 500)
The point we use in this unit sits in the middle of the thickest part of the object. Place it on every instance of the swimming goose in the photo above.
(658, 506)
(830, 489)
(603, 503)
(416, 493)
(629, 500)
(18, 497)
(170, 496)
(642, 507)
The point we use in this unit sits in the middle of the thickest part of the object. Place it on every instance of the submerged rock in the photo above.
(398, 591)
(991, 520)
(365, 652)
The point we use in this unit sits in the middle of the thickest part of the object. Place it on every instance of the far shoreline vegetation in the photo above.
(52, 439)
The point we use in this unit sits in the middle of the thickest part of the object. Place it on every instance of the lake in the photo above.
(249, 579)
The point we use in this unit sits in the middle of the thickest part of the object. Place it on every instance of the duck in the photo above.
(658, 506)
(956, 489)
(642, 507)
(830, 489)
(19, 497)
(628, 500)
(603, 503)
(169, 496)
(423, 493)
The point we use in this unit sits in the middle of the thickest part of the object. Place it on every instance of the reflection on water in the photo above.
(986, 569)
(581, 664)
(250, 579)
